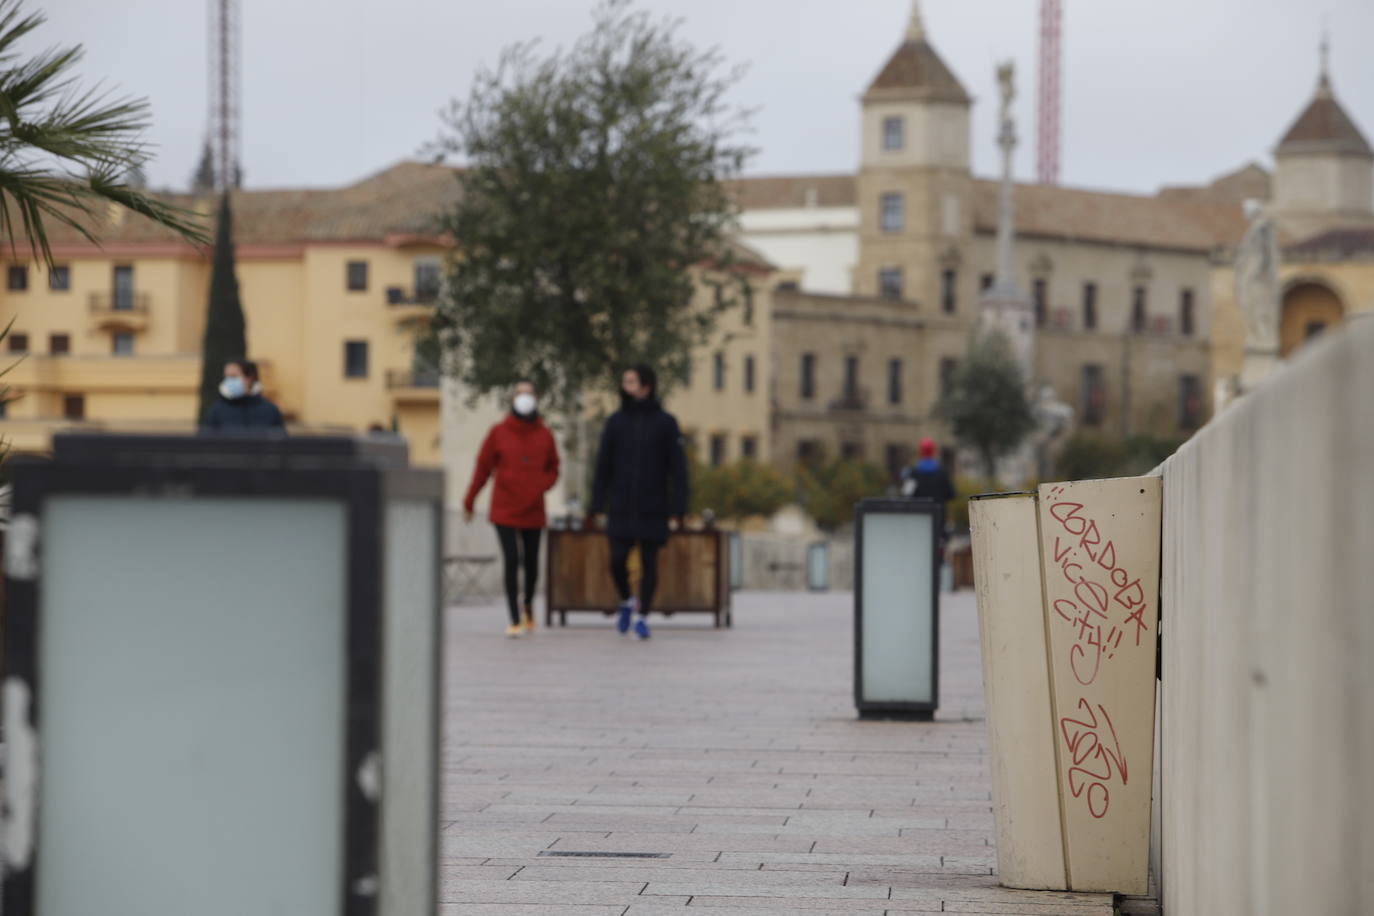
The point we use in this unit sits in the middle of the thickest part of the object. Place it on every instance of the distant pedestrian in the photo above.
(241, 405)
(641, 484)
(521, 452)
(927, 478)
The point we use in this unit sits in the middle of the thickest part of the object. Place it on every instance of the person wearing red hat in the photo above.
(521, 453)
(928, 479)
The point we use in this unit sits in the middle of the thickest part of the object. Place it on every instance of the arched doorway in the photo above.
(1309, 308)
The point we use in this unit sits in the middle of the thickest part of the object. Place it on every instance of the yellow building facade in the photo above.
(335, 286)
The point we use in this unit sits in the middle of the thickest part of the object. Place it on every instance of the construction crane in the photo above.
(1048, 127)
(224, 112)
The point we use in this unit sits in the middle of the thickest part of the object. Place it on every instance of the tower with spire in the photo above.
(914, 184)
(1325, 166)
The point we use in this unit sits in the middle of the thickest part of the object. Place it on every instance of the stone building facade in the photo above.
(1133, 295)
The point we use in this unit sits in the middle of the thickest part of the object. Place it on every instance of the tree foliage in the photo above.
(986, 405)
(1086, 456)
(66, 152)
(225, 329)
(593, 189)
(829, 492)
(740, 489)
(203, 180)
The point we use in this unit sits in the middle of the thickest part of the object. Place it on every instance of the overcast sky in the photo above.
(1157, 92)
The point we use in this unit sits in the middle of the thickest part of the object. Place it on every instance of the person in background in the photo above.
(241, 405)
(641, 484)
(927, 478)
(521, 452)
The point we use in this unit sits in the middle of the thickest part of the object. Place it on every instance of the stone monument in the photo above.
(1004, 305)
(1257, 295)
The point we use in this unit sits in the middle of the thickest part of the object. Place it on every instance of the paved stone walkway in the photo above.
(733, 756)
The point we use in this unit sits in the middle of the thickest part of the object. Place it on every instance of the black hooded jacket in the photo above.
(252, 411)
(641, 471)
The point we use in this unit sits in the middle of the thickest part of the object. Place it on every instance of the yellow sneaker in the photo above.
(513, 630)
(529, 619)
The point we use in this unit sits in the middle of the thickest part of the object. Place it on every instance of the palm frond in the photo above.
(13, 27)
(63, 150)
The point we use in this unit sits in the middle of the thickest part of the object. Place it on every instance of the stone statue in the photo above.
(1257, 282)
(1006, 79)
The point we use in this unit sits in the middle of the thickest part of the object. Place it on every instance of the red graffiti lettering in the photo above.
(1067, 515)
(1095, 597)
(1077, 652)
(1131, 596)
(1141, 627)
(1085, 747)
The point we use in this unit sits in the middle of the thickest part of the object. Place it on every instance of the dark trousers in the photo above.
(519, 545)
(648, 563)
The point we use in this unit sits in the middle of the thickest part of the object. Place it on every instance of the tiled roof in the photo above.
(1335, 245)
(1097, 216)
(402, 199)
(1168, 221)
(405, 198)
(915, 70)
(1324, 127)
(795, 191)
(1250, 182)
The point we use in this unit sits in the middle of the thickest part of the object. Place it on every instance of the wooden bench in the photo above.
(693, 576)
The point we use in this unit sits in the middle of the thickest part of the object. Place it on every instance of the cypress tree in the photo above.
(203, 181)
(225, 331)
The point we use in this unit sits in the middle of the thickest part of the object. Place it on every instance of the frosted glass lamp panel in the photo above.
(898, 567)
(192, 686)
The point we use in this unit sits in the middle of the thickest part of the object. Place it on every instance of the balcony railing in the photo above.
(855, 400)
(400, 295)
(119, 301)
(413, 378)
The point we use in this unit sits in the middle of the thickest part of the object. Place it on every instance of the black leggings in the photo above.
(648, 562)
(519, 545)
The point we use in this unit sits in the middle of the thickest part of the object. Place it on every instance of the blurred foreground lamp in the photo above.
(818, 566)
(896, 608)
(234, 646)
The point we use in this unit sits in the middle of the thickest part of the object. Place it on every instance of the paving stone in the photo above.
(516, 909)
(699, 874)
(736, 753)
(775, 905)
(757, 908)
(546, 892)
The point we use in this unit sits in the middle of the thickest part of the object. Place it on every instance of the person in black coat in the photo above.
(928, 479)
(241, 405)
(641, 485)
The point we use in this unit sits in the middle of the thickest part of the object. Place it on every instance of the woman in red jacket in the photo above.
(521, 452)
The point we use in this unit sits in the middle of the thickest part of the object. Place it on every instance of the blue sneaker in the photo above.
(627, 609)
(642, 628)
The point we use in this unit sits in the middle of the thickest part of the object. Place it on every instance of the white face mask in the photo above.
(525, 404)
(233, 387)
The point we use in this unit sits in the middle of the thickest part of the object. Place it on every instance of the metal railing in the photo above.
(856, 399)
(413, 378)
(400, 295)
(122, 301)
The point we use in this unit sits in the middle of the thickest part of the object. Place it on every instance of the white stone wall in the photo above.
(1266, 726)
(822, 243)
(1324, 184)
